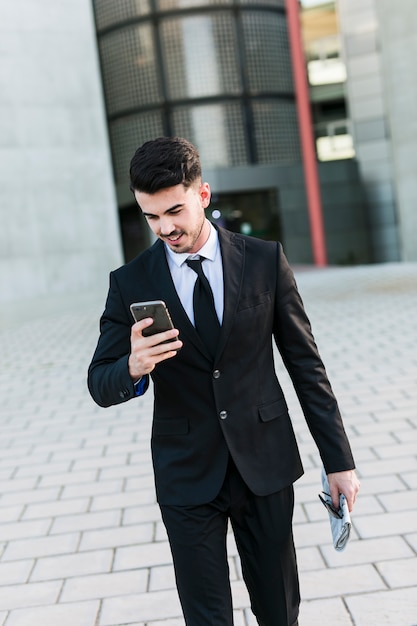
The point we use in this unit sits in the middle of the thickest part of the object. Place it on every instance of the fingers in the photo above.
(346, 483)
(146, 352)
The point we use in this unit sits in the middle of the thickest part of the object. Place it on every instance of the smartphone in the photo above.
(158, 311)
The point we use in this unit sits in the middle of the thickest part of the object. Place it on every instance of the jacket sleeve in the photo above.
(294, 339)
(108, 380)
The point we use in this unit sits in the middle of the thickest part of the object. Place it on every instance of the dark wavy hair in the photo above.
(164, 162)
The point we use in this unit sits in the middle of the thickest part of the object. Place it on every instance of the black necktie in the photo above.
(205, 316)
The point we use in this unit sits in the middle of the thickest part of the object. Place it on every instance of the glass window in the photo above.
(276, 131)
(166, 5)
(251, 213)
(269, 3)
(130, 74)
(267, 52)
(217, 130)
(109, 12)
(200, 56)
(135, 231)
(127, 134)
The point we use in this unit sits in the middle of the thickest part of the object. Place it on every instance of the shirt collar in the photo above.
(208, 251)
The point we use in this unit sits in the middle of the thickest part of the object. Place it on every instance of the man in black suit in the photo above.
(223, 445)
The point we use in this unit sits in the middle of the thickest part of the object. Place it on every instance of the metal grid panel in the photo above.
(130, 74)
(109, 12)
(127, 134)
(276, 131)
(217, 130)
(267, 3)
(167, 5)
(200, 56)
(268, 60)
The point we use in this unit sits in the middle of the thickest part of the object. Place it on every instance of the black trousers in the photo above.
(262, 527)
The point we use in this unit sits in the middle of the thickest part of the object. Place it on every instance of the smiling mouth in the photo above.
(173, 238)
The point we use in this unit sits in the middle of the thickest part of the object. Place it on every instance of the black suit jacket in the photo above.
(203, 410)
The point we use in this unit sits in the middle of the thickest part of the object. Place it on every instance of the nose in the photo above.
(166, 226)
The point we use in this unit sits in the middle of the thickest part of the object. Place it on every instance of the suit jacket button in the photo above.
(216, 374)
(122, 394)
(223, 415)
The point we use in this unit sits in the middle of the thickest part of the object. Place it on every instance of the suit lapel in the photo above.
(233, 259)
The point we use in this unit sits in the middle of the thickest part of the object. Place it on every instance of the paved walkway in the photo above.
(81, 541)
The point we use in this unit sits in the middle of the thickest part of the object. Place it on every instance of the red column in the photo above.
(311, 176)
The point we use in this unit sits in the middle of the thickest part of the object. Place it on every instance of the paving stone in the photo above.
(412, 540)
(69, 565)
(105, 585)
(42, 546)
(309, 559)
(142, 556)
(386, 608)
(33, 594)
(339, 581)
(55, 509)
(71, 523)
(410, 479)
(140, 514)
(116, 501)
(319, 612)
(92, 489)
(385, 525)
(76, 614)
(114, 537)
(18, 530)
(399, 572)
(10, 513)
(15, 572)
(403, 501)
(367, 551)
(154, 605)
(162, 577)
(70, 478)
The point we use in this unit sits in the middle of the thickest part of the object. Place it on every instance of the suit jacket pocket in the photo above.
(167, 427)
(269, 412)
(254, 300)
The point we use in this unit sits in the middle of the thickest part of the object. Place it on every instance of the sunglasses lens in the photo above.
(330, 507)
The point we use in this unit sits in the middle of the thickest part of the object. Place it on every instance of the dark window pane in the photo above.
(135, 231)
(218, 131)
(268, 3)
(251, 213)
(109, 12)
(276, 131)
(268, 61)
(130, 74)
(127, 134)
(166, 5)
(200, 56)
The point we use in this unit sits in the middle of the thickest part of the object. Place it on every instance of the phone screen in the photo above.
(157, 310)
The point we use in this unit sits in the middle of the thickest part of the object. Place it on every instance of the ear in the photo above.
(205, 194)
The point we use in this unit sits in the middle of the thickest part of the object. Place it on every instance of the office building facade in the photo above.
(83, 84)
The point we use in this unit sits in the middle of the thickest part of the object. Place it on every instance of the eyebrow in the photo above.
(167, 211)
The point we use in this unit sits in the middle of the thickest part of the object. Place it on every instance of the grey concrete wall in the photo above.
(344, 214)
(59, 228)
(398, 36)
(368, 109)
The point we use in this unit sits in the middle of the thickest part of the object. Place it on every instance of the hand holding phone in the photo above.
(158, 311)
(143, 357)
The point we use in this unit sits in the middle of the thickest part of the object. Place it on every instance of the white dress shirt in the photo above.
(184, 277)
